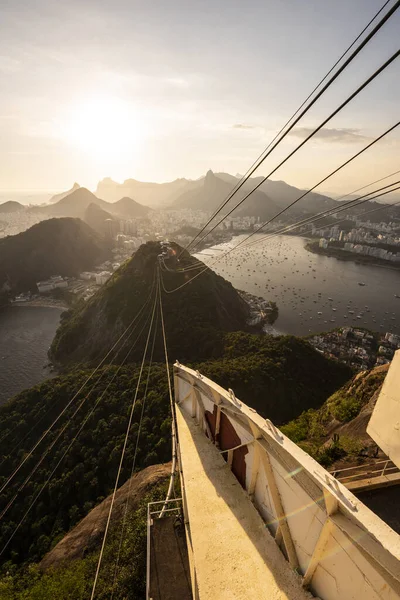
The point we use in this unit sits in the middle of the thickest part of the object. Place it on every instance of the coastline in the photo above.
(349, 257)
(42, 303)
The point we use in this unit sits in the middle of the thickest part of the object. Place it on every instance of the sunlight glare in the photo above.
(104, 127)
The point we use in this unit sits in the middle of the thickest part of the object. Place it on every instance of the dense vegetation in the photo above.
(76, 580)
(280, 377)
(53, 247)
(87, 474)
(330, 432)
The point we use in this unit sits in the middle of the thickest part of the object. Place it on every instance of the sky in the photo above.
(160, 90)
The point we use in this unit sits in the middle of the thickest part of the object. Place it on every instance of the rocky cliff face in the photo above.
(86, 536)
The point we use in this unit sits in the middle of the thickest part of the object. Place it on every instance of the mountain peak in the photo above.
(11, 206)
(58, 197)
(129, 208)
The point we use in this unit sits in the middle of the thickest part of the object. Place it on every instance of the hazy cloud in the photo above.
(243, 126)
(9, 65)
(341, 136)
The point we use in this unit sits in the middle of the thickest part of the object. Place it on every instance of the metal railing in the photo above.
(305, 508)
(364, 471)
(152, 514)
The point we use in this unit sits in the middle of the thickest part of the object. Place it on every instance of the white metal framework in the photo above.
(339, 547)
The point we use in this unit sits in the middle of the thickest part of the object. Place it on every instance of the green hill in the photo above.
(280, 377)
(337, 431)
(196, 316)
(53, 247)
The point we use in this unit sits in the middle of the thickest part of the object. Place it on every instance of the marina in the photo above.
(314, 293)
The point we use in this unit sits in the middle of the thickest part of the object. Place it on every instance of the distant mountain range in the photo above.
(136, 199)
(208, 193)
(151, 194)
(76, 203)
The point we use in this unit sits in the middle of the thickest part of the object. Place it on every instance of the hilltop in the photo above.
(149, 193)
(58, 197)
(212, 190)
(206, 323)
(76, 203)
(195, 317)
(129, 208)
(11, 206)
(53, 247)
(71, 204)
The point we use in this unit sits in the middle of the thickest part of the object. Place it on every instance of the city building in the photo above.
(102, 277)
(56, 281)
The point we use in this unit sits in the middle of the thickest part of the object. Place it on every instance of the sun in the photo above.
(104, 127)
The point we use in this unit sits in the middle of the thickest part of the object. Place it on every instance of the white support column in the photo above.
(276, 498)
(202, 412)
(217, 424)
(331, 503)
(278, 535)
(318, 551)
(254, 471)
(194, 403)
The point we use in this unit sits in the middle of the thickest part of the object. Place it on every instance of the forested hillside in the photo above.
(53, 247)
(195, 317)
(338, 429)
(73, 469)
(280, 377)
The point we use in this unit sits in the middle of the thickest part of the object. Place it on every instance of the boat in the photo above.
(361, 283)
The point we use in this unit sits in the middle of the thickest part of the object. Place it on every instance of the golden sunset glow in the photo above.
(103, 126)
